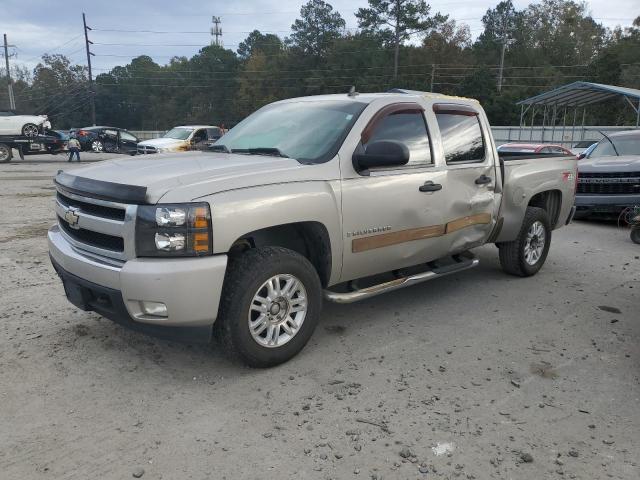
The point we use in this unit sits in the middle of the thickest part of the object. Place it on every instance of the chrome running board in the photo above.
(462, 263)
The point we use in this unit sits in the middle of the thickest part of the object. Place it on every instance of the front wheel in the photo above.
(270, 305)
(5, 153)
(97, 146)
(635, 234)
(525, 255)
(30, 130)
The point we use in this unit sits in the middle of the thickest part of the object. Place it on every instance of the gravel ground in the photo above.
(478, 375)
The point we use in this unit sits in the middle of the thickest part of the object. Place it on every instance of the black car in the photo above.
(107, 139)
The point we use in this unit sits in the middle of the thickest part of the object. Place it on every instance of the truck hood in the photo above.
(193, 174)
(165, 143)
(624, 163)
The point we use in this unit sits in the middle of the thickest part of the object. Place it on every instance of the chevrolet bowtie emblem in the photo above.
(71, 215)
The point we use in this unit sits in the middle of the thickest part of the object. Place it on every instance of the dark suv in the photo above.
(107, 139)
(609, 176)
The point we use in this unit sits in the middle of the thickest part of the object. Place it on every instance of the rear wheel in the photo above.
(270, 306)
(30, 130)
(5, 153)
(527, 253)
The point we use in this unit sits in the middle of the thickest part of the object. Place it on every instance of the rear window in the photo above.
(461, 134)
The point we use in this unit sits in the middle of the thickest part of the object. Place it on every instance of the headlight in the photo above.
(174, 230)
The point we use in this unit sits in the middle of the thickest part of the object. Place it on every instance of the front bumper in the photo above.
(189, 287)
(604, 204)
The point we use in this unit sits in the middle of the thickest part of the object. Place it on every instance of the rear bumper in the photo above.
(190, 288)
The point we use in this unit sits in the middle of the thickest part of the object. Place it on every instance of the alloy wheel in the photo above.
(277, 310)
(534, 243)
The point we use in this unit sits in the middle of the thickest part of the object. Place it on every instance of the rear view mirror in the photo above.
(383, 153)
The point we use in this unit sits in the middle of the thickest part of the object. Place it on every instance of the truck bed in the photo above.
(521, 175)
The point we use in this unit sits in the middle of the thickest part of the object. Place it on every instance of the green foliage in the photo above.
(547, 44)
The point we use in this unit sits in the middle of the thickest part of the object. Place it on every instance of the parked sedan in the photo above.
(27, 125)
(517, 148)
(107, 139)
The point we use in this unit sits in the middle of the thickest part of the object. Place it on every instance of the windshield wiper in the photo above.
(219, 148)
(272, 151)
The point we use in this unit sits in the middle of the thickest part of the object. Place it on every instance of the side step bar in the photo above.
(463, 263)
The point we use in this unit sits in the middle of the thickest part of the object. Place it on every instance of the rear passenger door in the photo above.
(472, 204)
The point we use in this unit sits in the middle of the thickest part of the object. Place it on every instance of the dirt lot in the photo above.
(479, 375)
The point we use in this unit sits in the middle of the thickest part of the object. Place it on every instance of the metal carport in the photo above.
(572, 98)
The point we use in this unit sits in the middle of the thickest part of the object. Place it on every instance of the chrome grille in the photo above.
(97, 227)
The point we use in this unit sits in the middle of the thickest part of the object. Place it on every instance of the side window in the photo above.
(546, 150)
(199, 136)
(127, 136)
(408, 127)
(461, 134)
(557, 150)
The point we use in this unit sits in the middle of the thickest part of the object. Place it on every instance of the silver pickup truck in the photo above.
(340, 197)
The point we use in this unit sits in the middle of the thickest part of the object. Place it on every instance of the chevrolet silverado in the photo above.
(340, 197)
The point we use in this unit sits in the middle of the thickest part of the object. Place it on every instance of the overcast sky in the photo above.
(37, 26)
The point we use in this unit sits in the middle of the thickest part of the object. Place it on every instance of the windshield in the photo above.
(179, 133)
(309, 131)
(624, 145)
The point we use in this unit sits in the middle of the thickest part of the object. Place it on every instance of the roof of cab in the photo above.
(370, 97)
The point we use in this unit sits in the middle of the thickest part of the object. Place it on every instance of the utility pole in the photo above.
(216, 31)
(504, 47)
(92, 93)
(12, 100)
(433, 75)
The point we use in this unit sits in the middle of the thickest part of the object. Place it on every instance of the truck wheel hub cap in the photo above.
(277, 311)
(534, 244)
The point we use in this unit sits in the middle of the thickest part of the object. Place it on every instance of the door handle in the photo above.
(483, 180)
(429, 186)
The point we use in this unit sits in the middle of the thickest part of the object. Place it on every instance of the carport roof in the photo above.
(580, 94)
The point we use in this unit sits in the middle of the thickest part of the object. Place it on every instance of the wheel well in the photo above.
(309, 239)
(551, 201)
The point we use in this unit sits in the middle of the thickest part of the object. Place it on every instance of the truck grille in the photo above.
(609, 183)
(97, 227)
(89, 237)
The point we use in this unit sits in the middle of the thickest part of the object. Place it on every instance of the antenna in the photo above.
(216, 31)
(352, 91)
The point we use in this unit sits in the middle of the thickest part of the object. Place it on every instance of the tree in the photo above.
(398, 20)
(268, 44)
(316, 30)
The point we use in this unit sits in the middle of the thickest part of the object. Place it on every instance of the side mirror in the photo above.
(581, 156)
(383, 153)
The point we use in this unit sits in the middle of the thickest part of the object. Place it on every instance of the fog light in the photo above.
(170, 242)
(157, 309)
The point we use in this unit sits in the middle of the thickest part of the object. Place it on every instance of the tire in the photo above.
(97, 146)
(525, 256)
(635, 234)
(5, 153)
(30, 130)
(246, 279)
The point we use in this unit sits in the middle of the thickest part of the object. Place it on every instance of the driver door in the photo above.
(390, 220)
